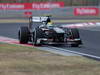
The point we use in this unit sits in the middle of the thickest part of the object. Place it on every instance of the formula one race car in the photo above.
(41, 31)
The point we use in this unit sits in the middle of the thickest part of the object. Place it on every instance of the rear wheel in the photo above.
(23, 35)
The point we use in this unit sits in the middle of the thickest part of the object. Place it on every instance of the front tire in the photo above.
(37, 34)
(34, 38)
(74, 34)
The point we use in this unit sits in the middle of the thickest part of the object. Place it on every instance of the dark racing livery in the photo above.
(41, 31)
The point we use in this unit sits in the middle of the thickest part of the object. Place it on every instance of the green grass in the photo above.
(19, 60)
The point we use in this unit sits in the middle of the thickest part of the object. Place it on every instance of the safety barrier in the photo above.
(60, 11)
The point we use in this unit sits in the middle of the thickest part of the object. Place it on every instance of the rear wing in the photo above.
(39, 19)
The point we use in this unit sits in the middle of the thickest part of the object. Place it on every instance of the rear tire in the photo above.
(23, 35)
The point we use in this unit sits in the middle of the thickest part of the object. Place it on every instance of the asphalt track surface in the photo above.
(90, 37)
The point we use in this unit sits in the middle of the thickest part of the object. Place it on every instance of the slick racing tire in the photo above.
(23, 35)
(37, 34)
(74, 35)
(34, 41)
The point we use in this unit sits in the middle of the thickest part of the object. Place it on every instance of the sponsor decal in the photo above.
(47, 5)
(86, 11)
(31, 6)
(11, 6)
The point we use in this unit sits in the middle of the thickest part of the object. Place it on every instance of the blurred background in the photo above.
(67, 2)
(66, 8)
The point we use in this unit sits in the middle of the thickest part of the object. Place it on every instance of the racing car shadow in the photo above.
(55, 45)
(64, 45)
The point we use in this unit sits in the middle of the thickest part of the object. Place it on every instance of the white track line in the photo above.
(79, 53)
(9, 40)
(16, 42)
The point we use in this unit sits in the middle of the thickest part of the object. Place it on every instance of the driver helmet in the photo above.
(49, 24)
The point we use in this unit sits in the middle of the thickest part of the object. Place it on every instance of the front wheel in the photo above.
(37, 35)
(74, 33)
(34, 38)
(74, 37)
